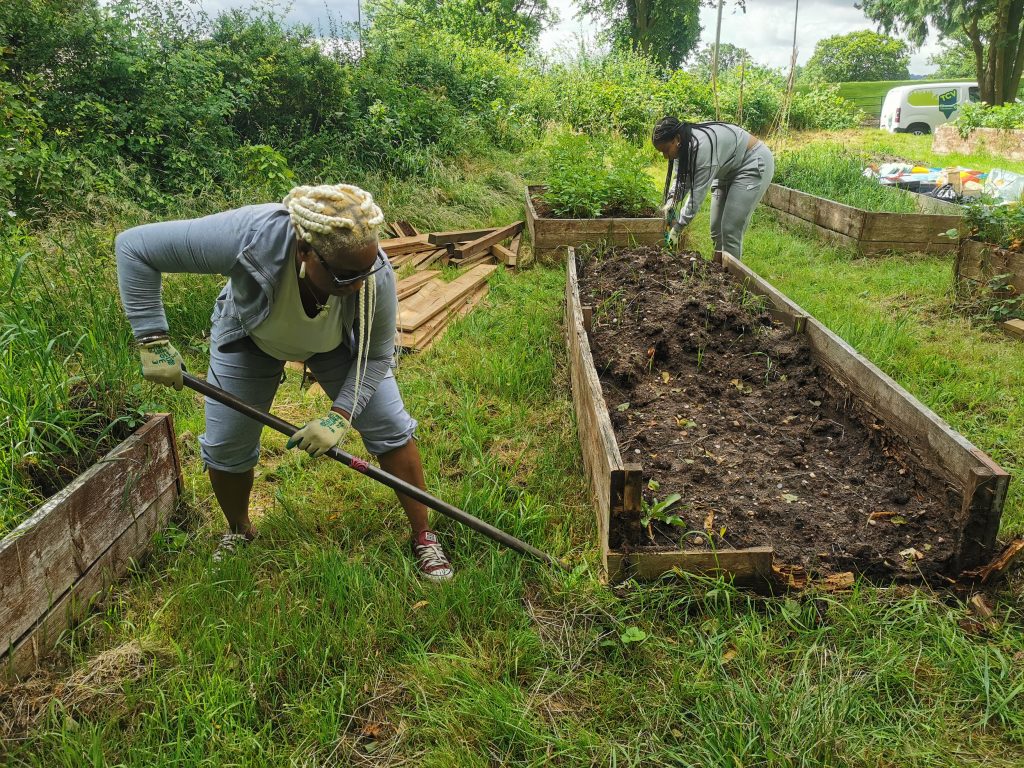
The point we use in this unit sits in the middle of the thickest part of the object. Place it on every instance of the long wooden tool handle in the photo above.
(375, 473)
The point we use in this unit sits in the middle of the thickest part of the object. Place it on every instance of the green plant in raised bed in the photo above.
(590, 176)
(981, 115)
(1001, 225)
(832, 172)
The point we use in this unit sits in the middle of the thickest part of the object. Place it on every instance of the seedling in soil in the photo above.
(658, 510)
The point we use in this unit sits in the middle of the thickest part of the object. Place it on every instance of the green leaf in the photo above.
(633, 635)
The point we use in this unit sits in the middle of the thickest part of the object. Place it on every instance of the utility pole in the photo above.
(714, 60)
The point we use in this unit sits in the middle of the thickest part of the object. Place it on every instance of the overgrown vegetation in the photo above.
(1001, 225)
(834, 172)
(588, 177)
(981, 115)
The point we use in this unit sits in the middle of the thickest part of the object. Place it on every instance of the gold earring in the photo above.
(302, 271)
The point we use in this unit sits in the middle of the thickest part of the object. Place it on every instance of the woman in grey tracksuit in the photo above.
(733, 164)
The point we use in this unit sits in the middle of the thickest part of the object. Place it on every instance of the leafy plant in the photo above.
(981, 115)
(591, 176)
(1001, 225)
(659, 510)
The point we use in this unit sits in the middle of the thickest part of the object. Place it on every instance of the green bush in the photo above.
(832, 172)
(1001, 225)
(591, 176)
(981, 115)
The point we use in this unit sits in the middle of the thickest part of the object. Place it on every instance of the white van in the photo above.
(922, 108)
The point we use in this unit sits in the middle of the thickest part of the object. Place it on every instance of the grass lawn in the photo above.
(318, 646)
(870, 95)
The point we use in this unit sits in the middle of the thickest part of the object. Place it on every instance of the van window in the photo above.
(974, 93)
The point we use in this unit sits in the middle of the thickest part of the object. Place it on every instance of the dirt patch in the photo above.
(726, 408)
(544, 212)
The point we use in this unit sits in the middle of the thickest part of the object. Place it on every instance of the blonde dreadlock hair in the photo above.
(334, 218)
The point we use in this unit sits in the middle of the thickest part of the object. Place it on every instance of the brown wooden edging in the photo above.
(868, 232)
(978, 481)
(616, 487)
(549, 236)
(1008, 143)
(81, 540)
(979, 262)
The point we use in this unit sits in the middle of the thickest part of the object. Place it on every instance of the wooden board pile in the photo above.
(427, 303)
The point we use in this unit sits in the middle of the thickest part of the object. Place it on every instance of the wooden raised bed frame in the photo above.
(616, 487)
(979, 262)
(549, 236)
(868, 232)
(81, 540)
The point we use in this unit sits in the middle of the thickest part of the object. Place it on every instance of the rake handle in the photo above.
(374, 473)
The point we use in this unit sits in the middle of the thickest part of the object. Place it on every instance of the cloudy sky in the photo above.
(766, 29)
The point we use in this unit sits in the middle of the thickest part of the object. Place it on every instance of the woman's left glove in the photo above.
(318, 437)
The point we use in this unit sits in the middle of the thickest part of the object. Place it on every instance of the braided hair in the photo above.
(669, 128)
(334, 218)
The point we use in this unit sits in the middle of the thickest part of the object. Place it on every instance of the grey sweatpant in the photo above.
(733, 200)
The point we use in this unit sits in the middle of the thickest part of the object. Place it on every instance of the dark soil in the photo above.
(544, 212)
(728, 409)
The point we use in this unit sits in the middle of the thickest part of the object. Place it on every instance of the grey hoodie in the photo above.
(719, 156)
(252, 246)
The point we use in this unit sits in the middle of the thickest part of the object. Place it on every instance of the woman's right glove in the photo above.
(161, 362)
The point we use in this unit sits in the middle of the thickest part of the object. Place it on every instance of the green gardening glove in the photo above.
(318, 437)
(672, 237)
(161, 362)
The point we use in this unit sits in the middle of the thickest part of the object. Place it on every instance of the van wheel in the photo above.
(919, 129)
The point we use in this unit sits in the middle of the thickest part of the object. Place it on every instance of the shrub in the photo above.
(1001, 225)
(981, 115)
(590, 176)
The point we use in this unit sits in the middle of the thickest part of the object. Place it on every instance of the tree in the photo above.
(665, 30)
(510, 26)
(955, 62)
(729, 57)
(992, 27)
(861, 55)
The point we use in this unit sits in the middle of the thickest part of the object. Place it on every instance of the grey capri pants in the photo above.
(733, 200)
(231, 442)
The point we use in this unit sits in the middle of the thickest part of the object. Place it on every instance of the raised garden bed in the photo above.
(81, 540)
(978, 263)
(551, 235)
(868, 232)
(1008, 143)
(781, 439)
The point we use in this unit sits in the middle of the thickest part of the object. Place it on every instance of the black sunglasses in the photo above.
(342, 279)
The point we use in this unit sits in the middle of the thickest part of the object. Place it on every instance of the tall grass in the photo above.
(833, 172)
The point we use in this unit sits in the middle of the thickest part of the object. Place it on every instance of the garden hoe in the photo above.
(375, 473)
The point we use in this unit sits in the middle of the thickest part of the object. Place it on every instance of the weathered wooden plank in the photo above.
(981, 262)
(548, 235)
(881, 226)
(503, 254)
(750, 566)
(411, 284)
(68, 609)
(601, 458)
(481, 244)
(42, 559)
(1014, 328)
(874, 248)
(844, 219)
(427, 334)
(436, 295)
(978, 526)
(457, 236)
(803, 205)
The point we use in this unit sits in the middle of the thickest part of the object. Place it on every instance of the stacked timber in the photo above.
(460, 248)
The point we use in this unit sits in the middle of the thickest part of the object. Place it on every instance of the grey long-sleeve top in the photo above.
(252, 246)
(720, 153)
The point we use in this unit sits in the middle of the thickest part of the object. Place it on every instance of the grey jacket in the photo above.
(720, 154)
(252, 246)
